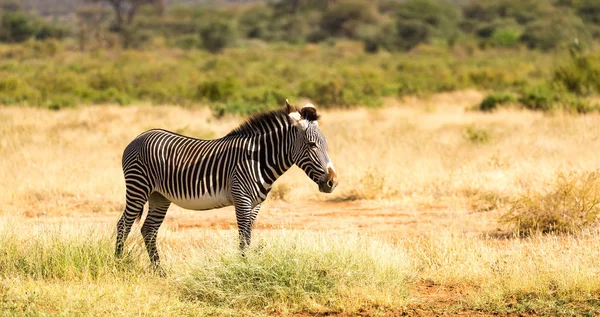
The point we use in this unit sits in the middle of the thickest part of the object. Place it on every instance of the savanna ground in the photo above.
(411, 229)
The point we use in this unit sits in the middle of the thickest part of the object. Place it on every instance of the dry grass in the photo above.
(423, 179)
(55, 163)
(571, 204)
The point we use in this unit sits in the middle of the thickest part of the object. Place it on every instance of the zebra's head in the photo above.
(310, 148)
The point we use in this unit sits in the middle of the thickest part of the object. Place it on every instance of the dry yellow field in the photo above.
(425, 178)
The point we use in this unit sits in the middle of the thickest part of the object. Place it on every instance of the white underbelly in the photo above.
(204, 202)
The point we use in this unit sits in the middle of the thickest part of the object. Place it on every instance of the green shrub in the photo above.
(412, 33)
(216, 35)
(347, 17)
(254, 22)
(57, 102)
(418, 21)
(220, 90)
(570, 205)
(51, 31)
(493, 100)
(581, 75)
(554, 31)
(17, 26)
(187, 41)
(505, 37)
(345, 92)
(539, 98)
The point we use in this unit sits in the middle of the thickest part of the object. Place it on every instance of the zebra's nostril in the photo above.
(330, 183)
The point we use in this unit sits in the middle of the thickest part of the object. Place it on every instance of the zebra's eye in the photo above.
(312, 145)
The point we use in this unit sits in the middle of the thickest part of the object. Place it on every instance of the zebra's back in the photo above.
(192, 173)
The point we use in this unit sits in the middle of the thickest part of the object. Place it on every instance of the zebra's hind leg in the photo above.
(157, 209)
(136, 195)
(133, 210)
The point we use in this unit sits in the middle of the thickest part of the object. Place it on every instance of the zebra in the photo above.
(239, 169)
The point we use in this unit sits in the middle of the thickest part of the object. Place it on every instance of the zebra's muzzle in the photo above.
(329, 185)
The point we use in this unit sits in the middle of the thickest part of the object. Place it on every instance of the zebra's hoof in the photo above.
(158, 270)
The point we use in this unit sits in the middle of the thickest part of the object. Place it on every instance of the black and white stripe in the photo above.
(163, 167)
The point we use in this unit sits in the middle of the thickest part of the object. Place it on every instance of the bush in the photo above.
(554, 31)
(505, 37)
(220, 90)
(350, 91)
(51, 31)
(376, 37)
(347, 17)
(254, 22)
(418, 21)
(17, 27)
(187, 41)
(216, 35)
(581, 75)
(412, 33)
(571, 205)
(539, 98)
(493, 100)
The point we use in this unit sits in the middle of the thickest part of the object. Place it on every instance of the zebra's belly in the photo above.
(204, 202)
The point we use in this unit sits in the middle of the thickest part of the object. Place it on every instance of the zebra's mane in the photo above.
(257, 123)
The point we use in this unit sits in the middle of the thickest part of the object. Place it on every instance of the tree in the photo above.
(554, 31)
(17, 27)
(125, 11)
(417, 21)
(10, 6)
(346, 18)
(216, 36)
(92, 21)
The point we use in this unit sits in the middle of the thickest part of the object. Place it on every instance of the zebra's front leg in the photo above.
(255, 211)
(244, 217)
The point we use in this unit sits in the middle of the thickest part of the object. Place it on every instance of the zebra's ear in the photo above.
(290, 109)
(296, 116)
(309, 112)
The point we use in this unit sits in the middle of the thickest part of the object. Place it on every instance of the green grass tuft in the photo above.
(296, 272)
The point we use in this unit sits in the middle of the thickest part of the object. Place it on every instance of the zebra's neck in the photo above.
(275, 152)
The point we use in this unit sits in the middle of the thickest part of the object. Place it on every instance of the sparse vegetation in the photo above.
(571, 204)
(477, 135)
(410, 226)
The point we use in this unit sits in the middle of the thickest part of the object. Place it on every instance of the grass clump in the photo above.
(47, 253)
(571, 204)
(496, 99)
(477, 135)
(301, 272)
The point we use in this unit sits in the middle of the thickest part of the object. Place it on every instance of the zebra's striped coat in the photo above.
(162, 167)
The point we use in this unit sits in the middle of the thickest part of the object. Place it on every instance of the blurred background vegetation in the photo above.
(245, 56)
